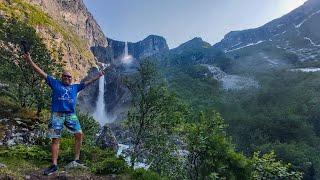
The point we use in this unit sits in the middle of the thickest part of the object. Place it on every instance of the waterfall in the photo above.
(127, 59)
(100, 114)
(126, 49)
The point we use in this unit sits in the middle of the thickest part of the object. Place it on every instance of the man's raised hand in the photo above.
(25, 47)
(26, 56)
(35, 67)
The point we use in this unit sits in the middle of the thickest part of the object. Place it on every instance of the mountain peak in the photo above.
(300, 22)
(195, 43)
(152, 36)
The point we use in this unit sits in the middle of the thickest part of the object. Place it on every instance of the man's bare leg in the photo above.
(77, 146)
(55, 150)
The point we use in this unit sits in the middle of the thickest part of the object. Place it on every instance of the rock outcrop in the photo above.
(149, 46)
(19, 127)
(116, 95)
(75, 15)
(107, 140)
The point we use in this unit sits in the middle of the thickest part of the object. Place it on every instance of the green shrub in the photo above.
(90, 128)
(103, 161)
(211, 154)
(100, 161)
(142, 174)
(267, 167)
(26, 152)
(110, 165)
(66, 153)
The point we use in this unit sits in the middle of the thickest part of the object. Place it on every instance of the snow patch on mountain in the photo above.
(310, 69)
(305, 20)
(251, 44)
(280, 25)
(313, 43)
(236, 45)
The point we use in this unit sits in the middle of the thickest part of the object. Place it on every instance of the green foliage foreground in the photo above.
(158, 117)
(23, 160)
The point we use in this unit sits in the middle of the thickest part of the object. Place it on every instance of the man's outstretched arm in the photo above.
(101, 73)
(35, 67)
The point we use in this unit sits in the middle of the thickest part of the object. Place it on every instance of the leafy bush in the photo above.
(26, 152)
(142, 174)
(90, 128)
(110, 166)
(267, 167)
(100, 161)
(303, 157)
(211, 154)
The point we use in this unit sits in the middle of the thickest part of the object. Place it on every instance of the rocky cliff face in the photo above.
(147, 47)
(66, 27)
(74, 14)
(116, 95)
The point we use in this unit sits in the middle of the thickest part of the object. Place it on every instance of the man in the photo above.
(64, 98)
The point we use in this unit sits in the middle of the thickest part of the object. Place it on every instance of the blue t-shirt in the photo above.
(64, 98)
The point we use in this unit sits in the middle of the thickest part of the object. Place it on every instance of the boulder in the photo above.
(2, 165)
(106, 139)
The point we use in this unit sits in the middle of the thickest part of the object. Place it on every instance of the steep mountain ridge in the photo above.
(299, 22)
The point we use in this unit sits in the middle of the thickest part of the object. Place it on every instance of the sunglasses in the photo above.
(66, 76)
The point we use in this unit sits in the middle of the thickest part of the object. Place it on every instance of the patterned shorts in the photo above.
(58, 120)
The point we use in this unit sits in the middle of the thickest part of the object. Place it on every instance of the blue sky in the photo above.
(181, 20)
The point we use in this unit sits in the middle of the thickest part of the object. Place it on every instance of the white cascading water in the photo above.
(100, 114)
(127, 59)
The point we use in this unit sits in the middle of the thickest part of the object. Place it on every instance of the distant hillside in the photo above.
(295, 34)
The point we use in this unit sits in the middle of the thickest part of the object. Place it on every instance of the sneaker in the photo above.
(75, 164)
(79, 162)
(50, 170)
